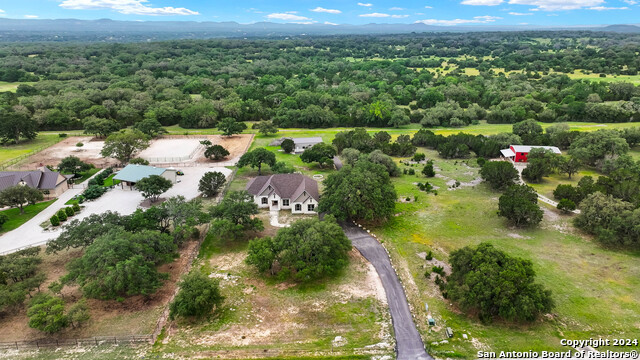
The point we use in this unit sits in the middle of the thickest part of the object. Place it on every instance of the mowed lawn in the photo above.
(16, 219)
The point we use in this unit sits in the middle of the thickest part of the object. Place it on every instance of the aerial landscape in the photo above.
(407, 180)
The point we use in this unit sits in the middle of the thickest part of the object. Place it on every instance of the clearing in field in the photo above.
(261, 316)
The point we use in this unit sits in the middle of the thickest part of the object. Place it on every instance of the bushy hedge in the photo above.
(101, 177)
(93, 192)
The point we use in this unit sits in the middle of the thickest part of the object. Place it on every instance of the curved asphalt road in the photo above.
(409, 344)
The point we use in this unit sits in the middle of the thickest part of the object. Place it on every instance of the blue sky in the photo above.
(432, 12)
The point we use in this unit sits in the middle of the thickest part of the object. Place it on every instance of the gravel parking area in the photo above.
(123, 201)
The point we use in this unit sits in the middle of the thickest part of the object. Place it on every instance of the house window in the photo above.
(311, 207)
(298, 207)
(285, 202)
(264, 201)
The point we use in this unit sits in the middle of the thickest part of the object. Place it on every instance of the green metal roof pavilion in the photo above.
(134, 173)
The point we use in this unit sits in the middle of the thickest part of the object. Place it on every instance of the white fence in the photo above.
(177, 159)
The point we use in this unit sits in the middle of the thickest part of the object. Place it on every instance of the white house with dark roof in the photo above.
(303, 144)
(294, 192)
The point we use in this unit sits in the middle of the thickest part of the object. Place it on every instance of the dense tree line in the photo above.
(315, 82)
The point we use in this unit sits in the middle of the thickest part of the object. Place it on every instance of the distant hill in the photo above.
(115, 30)
(622, 28)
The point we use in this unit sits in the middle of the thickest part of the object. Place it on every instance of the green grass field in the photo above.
(595, 289)
(16, 219)
(12, 86)
(11, 152)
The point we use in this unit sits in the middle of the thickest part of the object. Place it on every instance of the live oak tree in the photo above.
(199, 295)
(499, 174)
(257, 158)
(321, 153)
(230, 127)
(211, 183)
(592, 147)
(82, 233)
(307, 250)
(19, 196)
(124, 145)
(266, 128)
(153, 186)
(234, 215)
(495, 285)
(360, 192)
(74, 165)
(288, 145)
(215, 152)
(100, 127)
(15, 126)
(150, 127)
(120, 263)
(46, 313)
(519, 204)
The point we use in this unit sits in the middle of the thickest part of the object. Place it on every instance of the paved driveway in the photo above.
(408, 341)
(123, 201)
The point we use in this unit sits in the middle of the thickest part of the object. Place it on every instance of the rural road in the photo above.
(409, 344)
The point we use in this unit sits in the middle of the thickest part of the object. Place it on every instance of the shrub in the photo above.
(94, 192)
(566, 206)
(62, 215)
(69, 211)
(428, 170)
(519, 204)
(46, 313)
(429, 256)
(55, 221)
(138, 161)
(3, 219)
(427, 273)
(438, 270)
(493, 284)
(481, 161)
(198, 296)
(76, 207)
(417, 157)
(79, 144)
(62, 135)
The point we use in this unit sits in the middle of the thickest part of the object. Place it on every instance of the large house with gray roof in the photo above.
(51, 183)
(294, 192)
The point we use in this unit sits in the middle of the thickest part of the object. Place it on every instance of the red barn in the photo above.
(518, 153)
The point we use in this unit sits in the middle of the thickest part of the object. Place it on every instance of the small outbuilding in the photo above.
(133, 173)
(301, 144)
(519, 153)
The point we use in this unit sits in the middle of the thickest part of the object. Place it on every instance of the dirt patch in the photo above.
(90, 151)
(136, 315)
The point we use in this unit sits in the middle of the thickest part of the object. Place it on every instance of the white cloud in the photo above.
(287, 16)
(365, 4)
(601, 8)
(556, 5)
(482, 2)
(428, 7)
(399, 16)
(137, 7)
(330, 23)
(476, 20)
(323, 10)
(396, 9)
(31, 16)
(520, 14)
(376, 15)
(630, 2)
